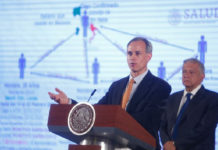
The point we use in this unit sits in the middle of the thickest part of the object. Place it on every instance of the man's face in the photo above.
(191, 75)
(137, 58)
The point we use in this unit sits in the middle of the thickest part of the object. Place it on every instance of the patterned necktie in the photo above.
(175, 130)
(126, 94)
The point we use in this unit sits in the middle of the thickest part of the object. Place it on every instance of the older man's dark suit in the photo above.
(196, 130)
(146, 105)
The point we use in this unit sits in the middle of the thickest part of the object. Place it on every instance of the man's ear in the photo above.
(148, 56)
(203, 76)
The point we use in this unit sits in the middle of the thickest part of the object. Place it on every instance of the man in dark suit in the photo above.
(147, 95)
(189, 123)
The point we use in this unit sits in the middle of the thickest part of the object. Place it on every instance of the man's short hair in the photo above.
(147, 43)
(196, 61)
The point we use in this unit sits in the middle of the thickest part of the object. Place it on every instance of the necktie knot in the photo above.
(131, 81)
(188, 95)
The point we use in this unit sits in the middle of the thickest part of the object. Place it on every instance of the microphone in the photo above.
(93, 92)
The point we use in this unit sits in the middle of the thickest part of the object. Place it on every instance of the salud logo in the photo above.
(174, 17)
(193, 16)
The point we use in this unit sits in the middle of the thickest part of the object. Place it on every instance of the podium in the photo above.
(113, 128)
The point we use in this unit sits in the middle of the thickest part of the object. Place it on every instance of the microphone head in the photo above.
(93, 92)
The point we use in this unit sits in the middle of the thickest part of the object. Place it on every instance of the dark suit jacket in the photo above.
(146, 105)
(196, 130)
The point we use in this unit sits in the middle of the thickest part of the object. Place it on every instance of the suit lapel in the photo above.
(176, 104)
(121, 89)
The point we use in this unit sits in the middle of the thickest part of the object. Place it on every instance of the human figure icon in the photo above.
(161, 70)
(85, 23)
(95, 70)
(22, 65)
(202, 49)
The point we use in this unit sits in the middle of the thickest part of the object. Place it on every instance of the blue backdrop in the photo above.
(79, 45)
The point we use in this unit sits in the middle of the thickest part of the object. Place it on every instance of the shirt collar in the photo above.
(139, 78)
(193, 92)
